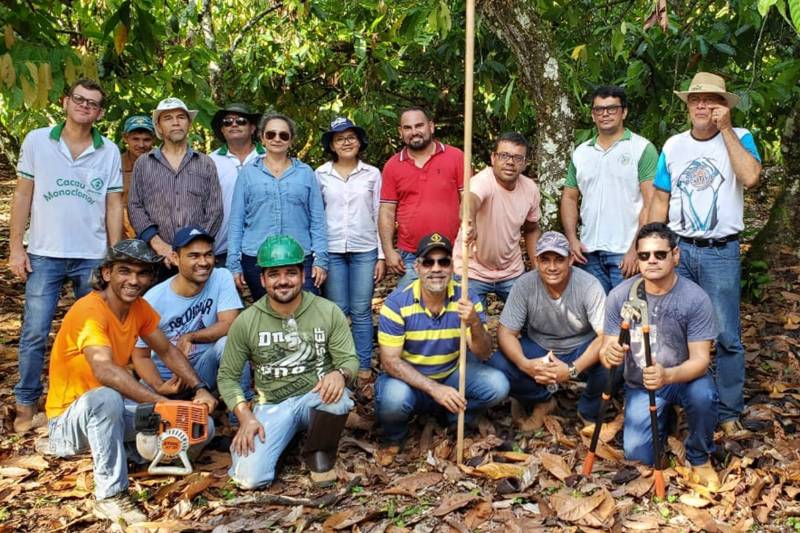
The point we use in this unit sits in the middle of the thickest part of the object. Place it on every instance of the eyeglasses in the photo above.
(660, 255)
(505, 156)
(346, 140)
(230, 121)
(603, 109)
(80, 100)
(442, 262)
(284, 135)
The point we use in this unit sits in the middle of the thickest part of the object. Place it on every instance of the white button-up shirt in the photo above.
(228, 167)
(351, 208)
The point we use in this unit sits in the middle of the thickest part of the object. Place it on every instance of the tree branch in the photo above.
(250, 24)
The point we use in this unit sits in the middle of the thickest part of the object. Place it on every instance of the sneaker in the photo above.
(707, 476)
(119, 508)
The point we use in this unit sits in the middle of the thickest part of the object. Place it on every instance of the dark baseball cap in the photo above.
(552, 241)
(432, 242)
(186, 235)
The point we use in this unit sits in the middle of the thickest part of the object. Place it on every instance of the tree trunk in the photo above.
(531, 40)
(782, 229)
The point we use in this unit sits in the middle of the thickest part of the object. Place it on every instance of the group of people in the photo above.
(310, 246)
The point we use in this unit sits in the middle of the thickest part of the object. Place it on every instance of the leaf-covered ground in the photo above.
(512, 481)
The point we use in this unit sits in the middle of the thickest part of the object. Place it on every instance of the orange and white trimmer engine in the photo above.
(166, 430)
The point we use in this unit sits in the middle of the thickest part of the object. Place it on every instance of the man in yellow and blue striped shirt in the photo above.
(418, 334)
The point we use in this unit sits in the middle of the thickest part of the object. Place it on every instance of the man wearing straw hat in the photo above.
(173, 186)
(699, 189)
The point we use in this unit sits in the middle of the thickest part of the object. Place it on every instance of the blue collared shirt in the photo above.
(264, 205)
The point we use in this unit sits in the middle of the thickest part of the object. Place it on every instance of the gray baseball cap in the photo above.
(552, 241)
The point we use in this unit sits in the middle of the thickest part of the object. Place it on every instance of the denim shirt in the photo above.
(264, 205)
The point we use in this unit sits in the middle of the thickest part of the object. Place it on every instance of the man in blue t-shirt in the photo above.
(682, 327)
(699, 189)
(197, 307)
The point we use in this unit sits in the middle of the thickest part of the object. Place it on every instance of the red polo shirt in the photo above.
(427, 198)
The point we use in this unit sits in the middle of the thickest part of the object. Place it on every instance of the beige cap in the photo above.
(168, 104)
(705, 82)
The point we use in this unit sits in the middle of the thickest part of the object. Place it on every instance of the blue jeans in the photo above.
(481, 288)
(281, 421)
(41, 299)
(396, 401)
(718, 270)
(525, 389)
(408, 261)
(350, 285)
(101, 420)
(605, 267)
(206, 365)
(252, 276)
(699, 401)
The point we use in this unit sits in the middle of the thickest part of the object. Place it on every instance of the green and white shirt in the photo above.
(68, 208)
(609, 183)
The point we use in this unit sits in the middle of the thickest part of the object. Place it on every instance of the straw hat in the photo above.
(705, 82)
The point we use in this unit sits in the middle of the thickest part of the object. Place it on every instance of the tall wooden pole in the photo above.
(469, 60)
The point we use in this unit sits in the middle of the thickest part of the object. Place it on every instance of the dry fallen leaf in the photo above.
(478, 514)
(411, 485)
(501, 470)
(453, 502)
(556, 465)
(693, 500)
(30, 462)
(572, 508)
(701, 518)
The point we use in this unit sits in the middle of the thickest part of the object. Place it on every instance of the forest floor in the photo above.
(511, 481)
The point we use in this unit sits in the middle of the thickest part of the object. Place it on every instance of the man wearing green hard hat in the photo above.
(302, 354)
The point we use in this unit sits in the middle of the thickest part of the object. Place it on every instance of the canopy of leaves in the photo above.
(369, 58)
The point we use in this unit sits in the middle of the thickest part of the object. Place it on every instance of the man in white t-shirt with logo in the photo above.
(612, 176)
(699, 189)
(505, 207)
(70, 186)
(235, 127)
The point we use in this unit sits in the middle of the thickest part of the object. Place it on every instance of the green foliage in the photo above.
(793, 522)
(755, 278)
(367, 59)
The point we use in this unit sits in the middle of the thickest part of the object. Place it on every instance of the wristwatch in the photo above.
(344, 373)
(199, 386)
(573, 372)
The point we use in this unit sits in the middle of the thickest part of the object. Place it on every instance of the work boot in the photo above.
(707, 476)
(733, 429)
(319, 452)
(119, 508)
(27, 418)
(386, 453)
(536, 420)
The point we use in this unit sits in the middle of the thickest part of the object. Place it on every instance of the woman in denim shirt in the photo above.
(276, 195)
(351, 191)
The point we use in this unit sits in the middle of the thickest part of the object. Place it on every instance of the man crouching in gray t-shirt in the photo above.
(559, 310)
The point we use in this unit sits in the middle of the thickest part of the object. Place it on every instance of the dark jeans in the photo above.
(252, 276)
(525, 389)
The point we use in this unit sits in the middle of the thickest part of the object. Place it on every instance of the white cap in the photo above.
(168, 104)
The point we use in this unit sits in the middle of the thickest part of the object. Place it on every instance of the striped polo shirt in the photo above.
(430, 343)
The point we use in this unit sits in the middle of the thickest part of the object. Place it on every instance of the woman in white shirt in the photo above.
(351, 192)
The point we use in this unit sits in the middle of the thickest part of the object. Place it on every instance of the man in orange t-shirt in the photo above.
(92, 396)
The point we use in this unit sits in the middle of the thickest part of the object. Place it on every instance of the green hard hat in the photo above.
(279, 250)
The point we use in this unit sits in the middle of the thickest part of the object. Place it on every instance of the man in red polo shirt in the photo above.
(421, 192)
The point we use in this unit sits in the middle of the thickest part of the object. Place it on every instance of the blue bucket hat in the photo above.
(338, 125)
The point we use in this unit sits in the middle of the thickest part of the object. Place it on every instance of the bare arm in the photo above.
(746, 167)
(569, 219)
(659, 206)
(479, 339)
(386, 222)
(111, 375)
(692, 368)
(172, 357)
(396, 367)
(114, 212)
(215, 331)
(630, 265)
(531, 233)
(592, 354)
(18, 261)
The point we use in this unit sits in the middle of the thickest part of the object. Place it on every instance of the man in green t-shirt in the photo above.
(302, 354)
(612, 176)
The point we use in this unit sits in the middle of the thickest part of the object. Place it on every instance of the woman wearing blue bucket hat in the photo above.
(351, 193)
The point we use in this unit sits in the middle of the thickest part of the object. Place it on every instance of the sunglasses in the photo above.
(442, 262)
(284, 135)
(660, 255)
(239, 121)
